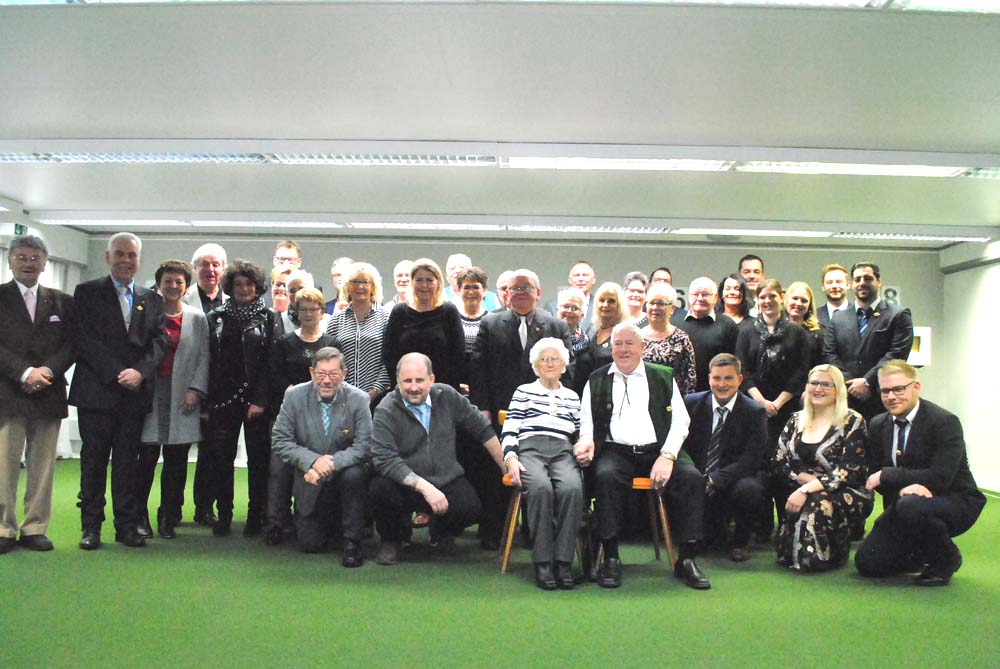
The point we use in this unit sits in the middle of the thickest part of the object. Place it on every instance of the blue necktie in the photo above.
(901, 424)
(326, 416)
(862, 321)
(423, 415)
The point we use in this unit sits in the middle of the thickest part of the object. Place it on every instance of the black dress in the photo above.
(436, 333)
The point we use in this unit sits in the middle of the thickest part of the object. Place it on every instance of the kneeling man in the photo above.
(928, 494)
(726, 440)
(632, 423)
(323, 430)
(413, 449)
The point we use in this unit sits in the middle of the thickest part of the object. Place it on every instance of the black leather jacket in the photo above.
(240, 376)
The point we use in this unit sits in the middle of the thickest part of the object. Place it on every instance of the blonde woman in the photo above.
(820, 464)
(427, 324)
(360, 329)
(801, 308)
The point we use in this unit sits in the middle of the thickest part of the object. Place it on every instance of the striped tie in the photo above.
(862, 321)
(326, 417)
(715, 442)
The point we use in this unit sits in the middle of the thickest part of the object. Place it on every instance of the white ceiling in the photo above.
(647, 78)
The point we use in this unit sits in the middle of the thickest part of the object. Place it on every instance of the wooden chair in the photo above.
(656, 510)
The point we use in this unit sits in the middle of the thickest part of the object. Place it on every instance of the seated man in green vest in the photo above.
(633, 422)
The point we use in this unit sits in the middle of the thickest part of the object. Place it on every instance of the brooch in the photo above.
(138, 307)
(670, 408)
(876, 314)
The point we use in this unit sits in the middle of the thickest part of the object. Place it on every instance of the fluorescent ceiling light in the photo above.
(459, 227)
(116, 223)
(140, 158)
(581, 163)
(578, 229)
(266, 224)
(738, 232)
(3, 208)
(909, 238)
(855, 169)
(377, 159)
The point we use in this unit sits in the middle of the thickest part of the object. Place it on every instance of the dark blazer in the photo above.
(499, 365)
(935, 457)
(46, 342)
(889, 336)
(744, 435)
(105, 348)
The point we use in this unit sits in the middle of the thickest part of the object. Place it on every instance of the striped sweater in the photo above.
(537, 411)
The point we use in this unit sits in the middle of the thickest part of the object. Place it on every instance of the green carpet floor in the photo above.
(201, 601)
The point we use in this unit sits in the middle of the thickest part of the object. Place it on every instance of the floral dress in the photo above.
(676, 352)
(818, 537)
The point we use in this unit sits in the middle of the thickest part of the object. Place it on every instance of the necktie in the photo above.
(126, 306)
(326, 417)
(522, 331)
(715, 442)
(29, 302)
(423, 415)
(862, 321)
(625, 398)
(901, 425)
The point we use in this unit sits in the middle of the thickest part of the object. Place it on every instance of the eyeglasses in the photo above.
(327, 376)
(659, 304)
(701, 293)
(360, 282)
(569, 307)
(895, 390)
(23, 258)
(285, 259)
(825, 385)
(522, 288)
(550, 360)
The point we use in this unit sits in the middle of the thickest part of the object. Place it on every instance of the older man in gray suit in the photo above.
(323, 430)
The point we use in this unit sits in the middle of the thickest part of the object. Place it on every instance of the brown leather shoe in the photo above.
(388, 553)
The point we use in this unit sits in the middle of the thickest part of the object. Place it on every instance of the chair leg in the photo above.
(667, 539)
(652, 522)
(510, 525)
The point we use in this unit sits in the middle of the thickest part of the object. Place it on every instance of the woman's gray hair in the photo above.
(545, 344)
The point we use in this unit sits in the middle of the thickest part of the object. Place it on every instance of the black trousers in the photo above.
(114, 436)
(684, 494)
(223, 444)
(392, 503)
(913, 531)
(347, 490)
(742, 502)
(204, 475)
(487, 480)
(173, 478)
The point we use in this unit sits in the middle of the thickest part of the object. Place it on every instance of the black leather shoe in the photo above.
(130, 538)
(544, 578)
(7, 544)
(144, 529)
(165, 529)
(222, 526)
(688, 571)
(353, 555)
(939, 573)
(91, 540)
(564, 576)
(610, 573)
(36, 542)
(254, 525)
(205, 517)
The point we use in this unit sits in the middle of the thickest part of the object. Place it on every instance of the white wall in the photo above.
(970, 388)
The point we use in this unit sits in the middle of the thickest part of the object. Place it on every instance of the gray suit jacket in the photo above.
(298, 437)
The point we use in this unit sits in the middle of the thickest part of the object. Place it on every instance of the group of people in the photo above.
(406, 410)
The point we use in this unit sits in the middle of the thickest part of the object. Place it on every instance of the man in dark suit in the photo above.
(323, 430)
(833, 283)
(919, 465)
(36, 349)
(120, 342)
(860, 340)
(499, 365)
(726, 441)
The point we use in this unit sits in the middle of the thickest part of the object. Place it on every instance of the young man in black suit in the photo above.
(499, 365)
(833, 283)
(726, 441)
(862, 339)
(920, 467)
(120, 342)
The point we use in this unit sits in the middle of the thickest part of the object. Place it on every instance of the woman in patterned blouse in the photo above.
(665, 344)
(538, 436)
(360, 327)
(820, 465)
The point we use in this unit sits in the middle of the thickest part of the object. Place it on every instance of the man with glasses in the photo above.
(36, 349)
(860, 340)
(500, 361)
(633, 422)
(919, 465)
(287, 256)
(323, 430)
(710, 334)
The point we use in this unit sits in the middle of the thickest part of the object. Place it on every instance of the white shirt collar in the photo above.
(873, 306)
(640, 370)
(689, 316)
(728, 405)
(24, 289)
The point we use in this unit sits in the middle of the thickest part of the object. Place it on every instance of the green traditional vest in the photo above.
(660, 380)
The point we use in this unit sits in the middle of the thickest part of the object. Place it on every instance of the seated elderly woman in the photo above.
(538, 436)
(820, 463)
